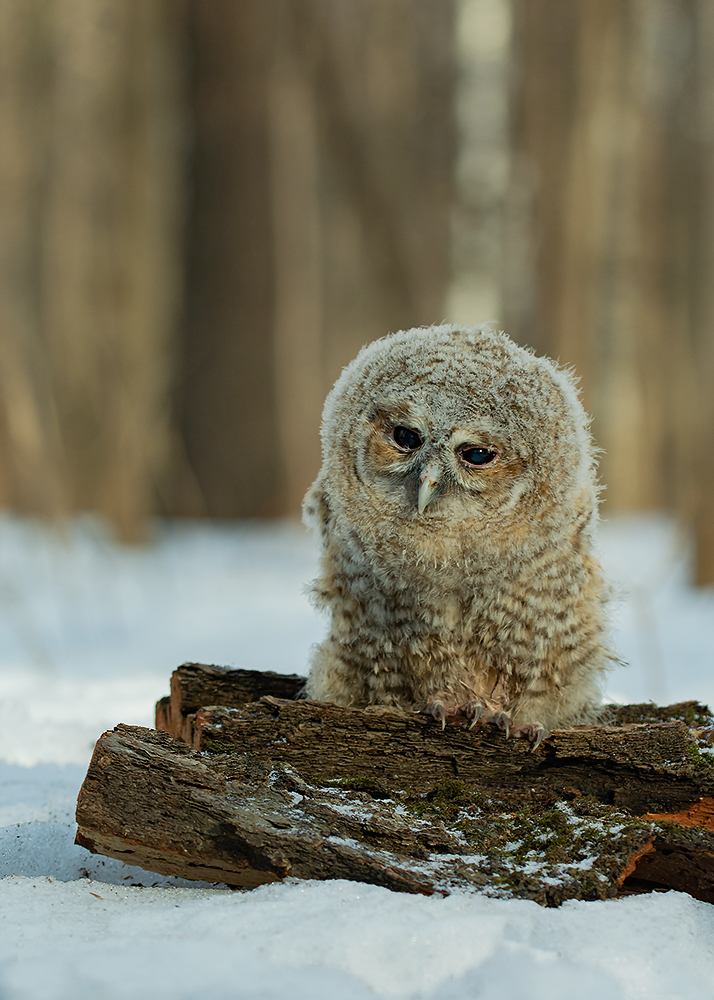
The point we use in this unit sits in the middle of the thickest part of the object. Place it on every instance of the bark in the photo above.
(197, 684)
(628, 766)
(637, 762)
(152, 801)
(277, 787)
(250, 818)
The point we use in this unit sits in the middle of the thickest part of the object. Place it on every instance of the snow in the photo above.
(89, 634)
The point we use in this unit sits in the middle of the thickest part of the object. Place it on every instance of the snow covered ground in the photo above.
(89, 634)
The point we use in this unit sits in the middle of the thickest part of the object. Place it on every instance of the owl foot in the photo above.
(479, 713)
(474, 710)
(437, 710)
(535, 732)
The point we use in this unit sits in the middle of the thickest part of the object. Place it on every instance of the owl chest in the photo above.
(409, 630)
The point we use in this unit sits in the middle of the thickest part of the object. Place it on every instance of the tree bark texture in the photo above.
(293, 788)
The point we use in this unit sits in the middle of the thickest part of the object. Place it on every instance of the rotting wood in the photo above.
(196, 684)
(274, 788)
(247, 819)
(643, 768)
(643, 760)
(151, 801)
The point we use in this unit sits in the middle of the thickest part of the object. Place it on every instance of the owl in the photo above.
(456, 505)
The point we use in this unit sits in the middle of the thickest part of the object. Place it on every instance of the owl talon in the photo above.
(541, 733)
(472, 711)
(533, 731)
(539, 739)
(437, 710)
(475, 712)
(503, 722)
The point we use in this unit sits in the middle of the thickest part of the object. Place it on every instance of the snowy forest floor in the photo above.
(89, 635)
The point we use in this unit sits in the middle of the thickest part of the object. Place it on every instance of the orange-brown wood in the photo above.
(701, 813)
(634, 861)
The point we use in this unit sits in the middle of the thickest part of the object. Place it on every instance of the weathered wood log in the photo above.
(151, 801)
(273, 787)
(639, 767)
(247, 818)
(194, 685)
(641, 761)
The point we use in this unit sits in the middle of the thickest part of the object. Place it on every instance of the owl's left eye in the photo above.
(407, 438)
(477, 456)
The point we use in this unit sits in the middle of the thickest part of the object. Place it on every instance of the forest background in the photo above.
(208, 206)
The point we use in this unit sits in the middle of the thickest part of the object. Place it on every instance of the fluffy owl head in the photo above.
(455, 432)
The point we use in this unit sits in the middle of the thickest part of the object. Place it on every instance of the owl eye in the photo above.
(407, 439)
(477, 456)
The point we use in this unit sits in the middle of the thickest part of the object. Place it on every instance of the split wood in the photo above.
(247, 785)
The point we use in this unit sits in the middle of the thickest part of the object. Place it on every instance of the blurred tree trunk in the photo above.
(226, 460)
(611, 155)
(701, 383)
(322, 191)
(296, 216)
(318, 207)
(90, 175)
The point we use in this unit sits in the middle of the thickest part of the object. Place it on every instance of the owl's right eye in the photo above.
(407, 439)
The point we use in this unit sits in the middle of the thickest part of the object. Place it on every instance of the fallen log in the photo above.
(640, 760)
(151, 801)
(275, 788)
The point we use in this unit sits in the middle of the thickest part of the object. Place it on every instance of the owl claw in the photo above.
(476, 711)
(533, 731)
(503, 722)
(437, 710)
(540, 733)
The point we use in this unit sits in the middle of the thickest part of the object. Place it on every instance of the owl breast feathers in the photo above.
(456, 505)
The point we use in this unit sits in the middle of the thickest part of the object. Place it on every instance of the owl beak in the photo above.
(427, 485)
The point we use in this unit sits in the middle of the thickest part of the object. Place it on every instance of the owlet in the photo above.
(456, 505)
